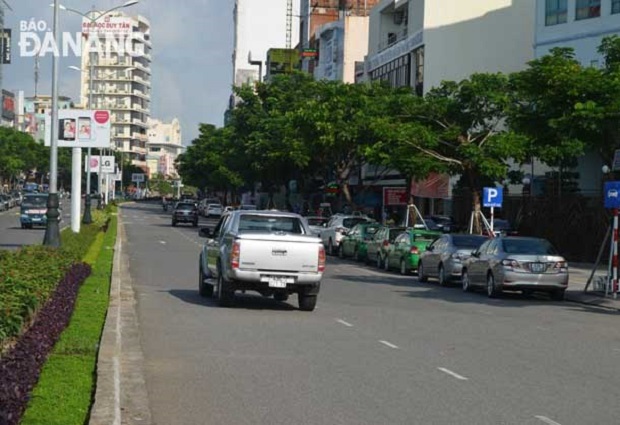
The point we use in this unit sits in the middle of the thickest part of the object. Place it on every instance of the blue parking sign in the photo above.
(612, 195)
(492, 197)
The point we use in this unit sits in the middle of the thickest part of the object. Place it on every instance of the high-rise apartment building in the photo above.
(121, 79)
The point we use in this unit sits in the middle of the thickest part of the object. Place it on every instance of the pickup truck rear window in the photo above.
(270, 224)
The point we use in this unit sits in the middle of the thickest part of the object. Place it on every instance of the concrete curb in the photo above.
(121, 396)
(593, 300)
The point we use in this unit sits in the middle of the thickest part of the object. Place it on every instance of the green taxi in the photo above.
(355, 243)
(407, 249)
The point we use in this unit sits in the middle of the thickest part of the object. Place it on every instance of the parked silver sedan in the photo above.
(516, 264)
(444, 258)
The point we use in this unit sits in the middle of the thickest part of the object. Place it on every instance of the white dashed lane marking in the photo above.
(547, 420)
(389, 344)
(453, 374)
(342, 322)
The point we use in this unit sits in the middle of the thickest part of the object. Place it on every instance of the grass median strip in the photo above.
(64, 392)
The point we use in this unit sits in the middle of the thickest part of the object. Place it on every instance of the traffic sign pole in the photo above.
(492, 220)
(614, 262)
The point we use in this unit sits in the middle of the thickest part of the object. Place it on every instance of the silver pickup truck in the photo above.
(272, 253)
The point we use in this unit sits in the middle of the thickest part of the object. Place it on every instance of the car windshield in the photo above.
(468, 241)
(528, 246)
(395, 232)
(34, 201)
(316, 221)
(262, 223)
(350, 222)
(186, 207)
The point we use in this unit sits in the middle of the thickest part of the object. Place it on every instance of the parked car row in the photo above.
(10, 200)
(496, 264)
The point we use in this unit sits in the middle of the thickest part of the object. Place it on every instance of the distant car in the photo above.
(516, 264)
(444, 258)
(336, 229)
(33, 210)
(185, 212)
(355, 242)
(443, 223)
(407, 248)
(503, 227)
(381, 244)
(213, 210)
(317, 224)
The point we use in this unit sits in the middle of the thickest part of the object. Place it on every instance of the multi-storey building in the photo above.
(164, 146)
(35, 109)
(316, 13)
(121, 80)
(258, 27)
(421, 43)
(341, 44)
(580, 24)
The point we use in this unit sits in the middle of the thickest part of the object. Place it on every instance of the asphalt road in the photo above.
(379, 349)
(12, 236)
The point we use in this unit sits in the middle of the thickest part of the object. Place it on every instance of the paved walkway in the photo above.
(579, 274)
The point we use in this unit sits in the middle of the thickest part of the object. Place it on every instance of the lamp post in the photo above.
(52, 231)
(93, 17)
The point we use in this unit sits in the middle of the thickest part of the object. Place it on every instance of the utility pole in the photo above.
(36, 76)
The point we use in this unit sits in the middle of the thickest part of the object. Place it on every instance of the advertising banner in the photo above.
(108, 165)
(5, 47)
(394, 196)
(110, 25)
(80, 128)
(8, 105)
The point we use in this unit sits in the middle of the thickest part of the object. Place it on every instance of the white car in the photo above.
(337, 228)
(213, 210)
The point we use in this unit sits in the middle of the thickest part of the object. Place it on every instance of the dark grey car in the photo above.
(444, 258)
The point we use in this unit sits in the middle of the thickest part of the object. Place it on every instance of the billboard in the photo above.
(80, 128)
(137, 177)
(108, 26)
(108, 165)
(5, 47)
(8, 105)
(393, 196)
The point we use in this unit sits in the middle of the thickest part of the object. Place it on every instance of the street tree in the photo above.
(461, 125)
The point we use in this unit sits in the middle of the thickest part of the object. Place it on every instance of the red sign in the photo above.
(393, 196)
(102, 117)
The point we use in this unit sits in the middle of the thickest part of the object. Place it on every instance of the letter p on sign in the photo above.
(493, 197)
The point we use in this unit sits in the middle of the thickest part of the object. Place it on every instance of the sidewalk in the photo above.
(579, 274)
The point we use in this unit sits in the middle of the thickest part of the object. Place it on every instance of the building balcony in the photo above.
(141, 67)
(139, 123)
(141, 94)
(393, 38)
(140, 136)
(142, 81)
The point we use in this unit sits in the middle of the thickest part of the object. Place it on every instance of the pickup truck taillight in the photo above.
(235, 254)
(321, 259)
(414, 250)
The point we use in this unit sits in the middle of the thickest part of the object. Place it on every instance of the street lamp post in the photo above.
(52, 230)
(93, 18)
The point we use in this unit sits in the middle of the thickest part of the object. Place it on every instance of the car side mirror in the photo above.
(475, 254)
(324, 224)
(430, 248)
(205, 232)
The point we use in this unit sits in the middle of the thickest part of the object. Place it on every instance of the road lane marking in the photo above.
(453, 374)
(547, 420)
(389, 344)
(347, 324)
(162, 242)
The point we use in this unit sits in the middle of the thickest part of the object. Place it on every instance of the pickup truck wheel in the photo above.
(307, 302)
(204, 289)
(225, 295)
(341, 253)
(280, 296)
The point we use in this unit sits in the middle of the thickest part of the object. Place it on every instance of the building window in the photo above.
(615, 6)
(418, 55)
(556, 12)
(587, 9)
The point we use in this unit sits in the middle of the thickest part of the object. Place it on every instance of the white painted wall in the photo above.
(584, 36)
(261, 25)
(465, 37)
(355, 45)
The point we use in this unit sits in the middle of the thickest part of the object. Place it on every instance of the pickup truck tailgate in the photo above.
(279, 253)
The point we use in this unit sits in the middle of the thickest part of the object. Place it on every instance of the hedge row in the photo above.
(29, 276)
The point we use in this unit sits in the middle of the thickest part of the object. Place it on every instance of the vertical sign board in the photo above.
(80, 128)
(5, 47)
(108, 165)
(137, 178)
(492, 197)
(612, 201)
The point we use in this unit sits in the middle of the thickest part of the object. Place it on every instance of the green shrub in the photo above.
(29, 276)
